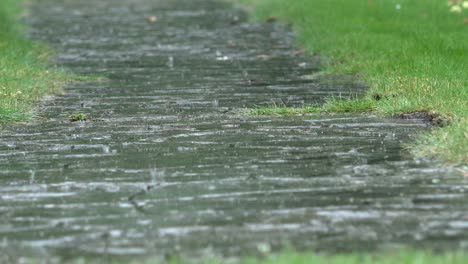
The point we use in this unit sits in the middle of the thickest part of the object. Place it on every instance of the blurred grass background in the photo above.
(25, 75)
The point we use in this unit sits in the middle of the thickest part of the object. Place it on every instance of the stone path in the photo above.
(170, 165)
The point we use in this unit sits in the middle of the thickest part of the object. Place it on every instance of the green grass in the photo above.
(400, 257)
(413, 59)
(332, 105)
(25, 76)
(410, 257)
(77, 117)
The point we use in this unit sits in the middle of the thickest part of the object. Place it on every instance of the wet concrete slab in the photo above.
(169, 164)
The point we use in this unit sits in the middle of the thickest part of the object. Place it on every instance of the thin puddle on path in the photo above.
(167, 165)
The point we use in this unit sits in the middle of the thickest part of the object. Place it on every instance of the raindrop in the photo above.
(32, 177)
(264, 248)
(170, 62)
(157, 176)
(105, 149)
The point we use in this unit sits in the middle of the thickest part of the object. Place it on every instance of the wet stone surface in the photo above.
(169, 165)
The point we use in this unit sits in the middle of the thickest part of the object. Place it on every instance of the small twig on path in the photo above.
(132, 198)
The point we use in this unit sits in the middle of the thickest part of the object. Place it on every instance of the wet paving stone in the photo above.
(169, 164)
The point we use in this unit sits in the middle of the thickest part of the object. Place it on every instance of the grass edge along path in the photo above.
(292, 257)
(25, 73)
(411, 53)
